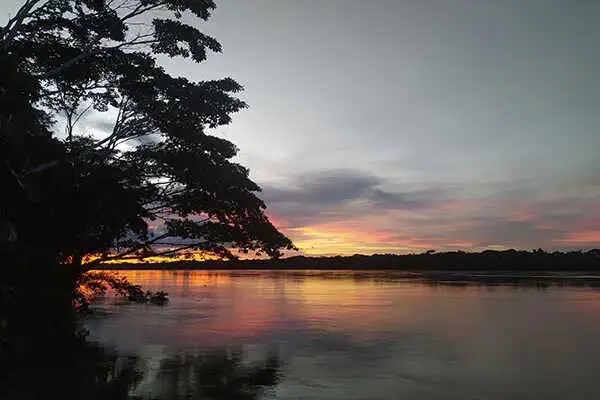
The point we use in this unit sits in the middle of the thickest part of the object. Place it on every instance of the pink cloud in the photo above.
(587, 237)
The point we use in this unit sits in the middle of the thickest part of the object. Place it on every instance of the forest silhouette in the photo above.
(488, 260)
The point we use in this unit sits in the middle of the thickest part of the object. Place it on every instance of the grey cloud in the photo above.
(324, 187)
(409, 200)
(511, 233)
(510, 214)
(339, 194)
(101, 125)
(339, 187)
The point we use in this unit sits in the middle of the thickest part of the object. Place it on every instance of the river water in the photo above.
(350, 335)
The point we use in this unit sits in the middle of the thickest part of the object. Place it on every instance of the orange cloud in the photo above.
(582, 237)
(349, 237)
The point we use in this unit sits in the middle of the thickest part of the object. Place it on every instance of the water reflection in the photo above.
(90, 371)
(348, 335)
(218, 374)
(541, 280)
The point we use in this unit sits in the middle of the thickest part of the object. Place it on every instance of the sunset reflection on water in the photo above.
(371, 335)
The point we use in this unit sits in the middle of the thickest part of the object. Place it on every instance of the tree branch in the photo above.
(136, 248)
(13, 25)
(140, 9)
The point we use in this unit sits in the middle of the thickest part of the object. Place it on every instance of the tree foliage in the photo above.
(75, 193)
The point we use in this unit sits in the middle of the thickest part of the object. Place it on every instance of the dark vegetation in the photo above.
(489, 260)
(152, 180)
(74, 193)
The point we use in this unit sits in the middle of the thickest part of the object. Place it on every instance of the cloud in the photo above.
(350, 211)
(587, 238)
(104, 126)
(498, 232)
(324, 187)
(409, 200)
(327, 195)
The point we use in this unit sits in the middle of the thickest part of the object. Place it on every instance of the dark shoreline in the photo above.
(490, 261)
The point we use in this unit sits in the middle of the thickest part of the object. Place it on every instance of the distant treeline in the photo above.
(489, 260)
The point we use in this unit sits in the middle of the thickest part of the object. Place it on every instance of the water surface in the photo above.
(349, 335)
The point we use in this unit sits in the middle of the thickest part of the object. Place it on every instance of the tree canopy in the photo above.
(68, 194)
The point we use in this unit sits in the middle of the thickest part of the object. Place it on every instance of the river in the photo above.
(352, 335)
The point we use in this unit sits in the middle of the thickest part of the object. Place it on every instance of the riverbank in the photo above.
(509, 260)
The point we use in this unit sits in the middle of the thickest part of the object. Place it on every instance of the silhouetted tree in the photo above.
(489, 260)
(68, 195)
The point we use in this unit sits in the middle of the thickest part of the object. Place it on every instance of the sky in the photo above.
(397, 126)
